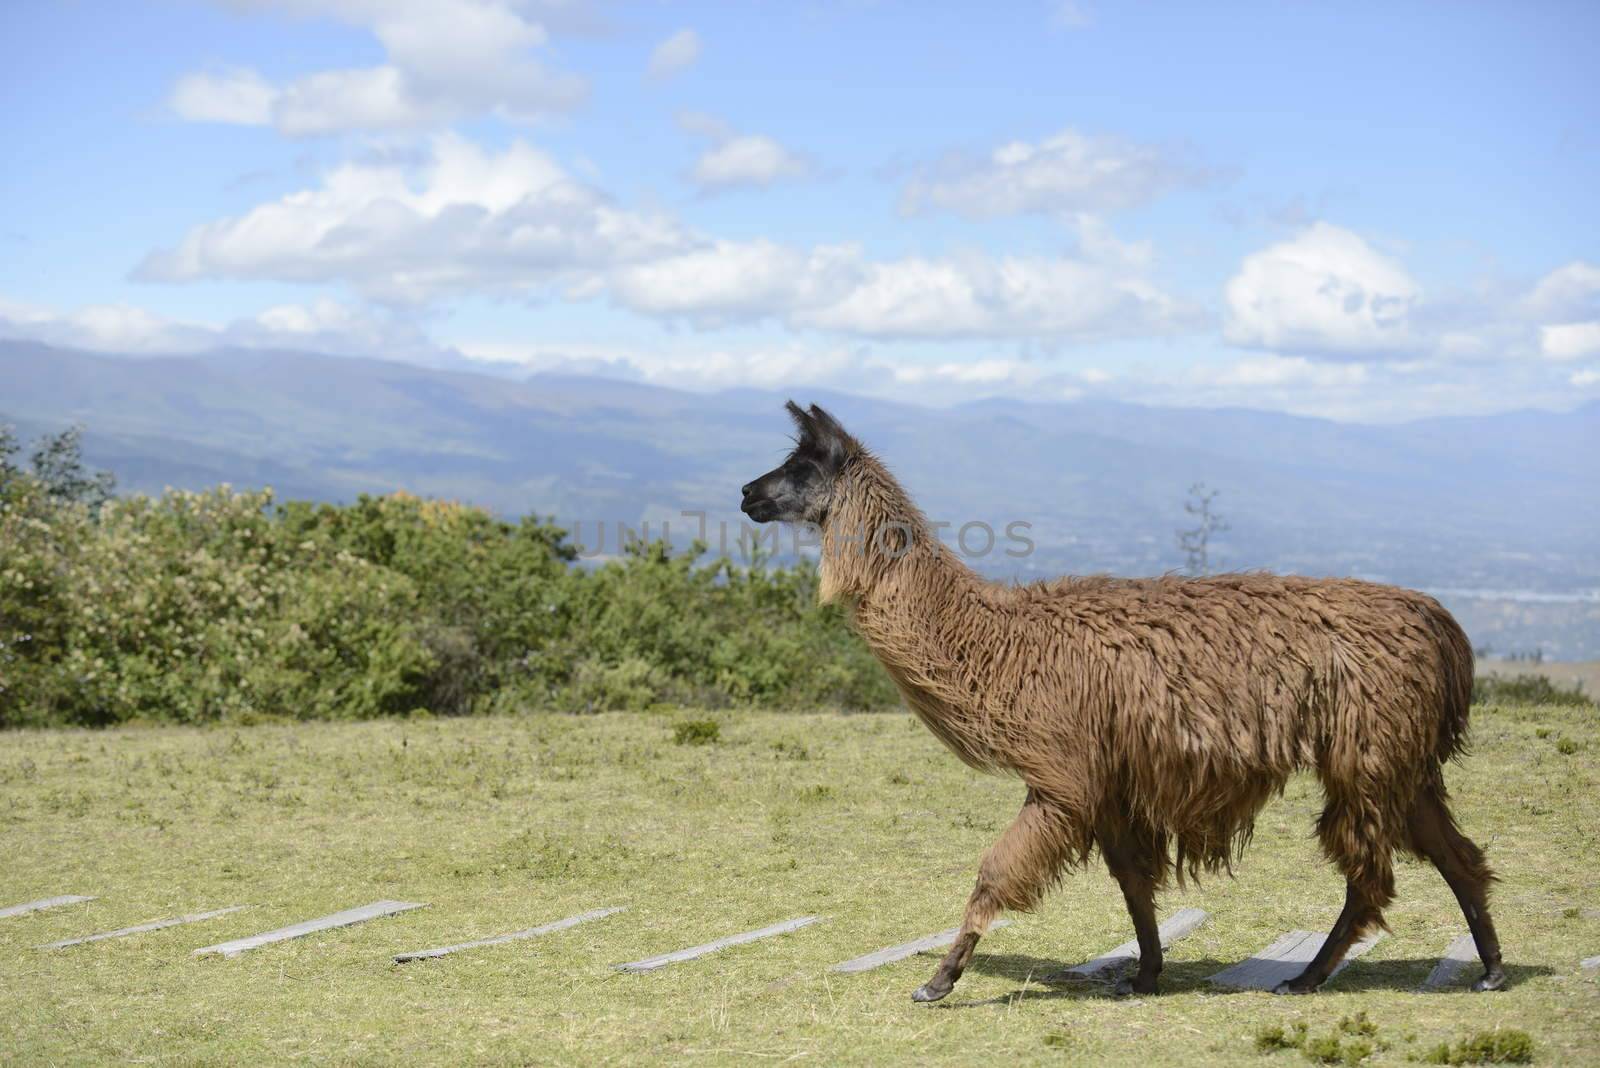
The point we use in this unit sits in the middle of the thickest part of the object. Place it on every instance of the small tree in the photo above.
(9, 447)
(58, 465)
(1195, 541)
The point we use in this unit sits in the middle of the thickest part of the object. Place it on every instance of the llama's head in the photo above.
(800, 489)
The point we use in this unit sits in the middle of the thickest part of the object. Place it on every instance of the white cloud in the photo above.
(445, 59)
(102, 328)
(749, 160)
(734, 281)
(1570, 341)
(980, 296)
(1280, 371)
(376, 98)
(836, 288)
(1568, 293)
(1069, 172)
(677, 53)
(240, 97)
(1072, 15)
(465, 219)
(324, 326)
(773, 366)
(1325, 293)
(1366, 392)
(734, 160)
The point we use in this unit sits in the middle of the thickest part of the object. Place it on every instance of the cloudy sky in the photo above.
(1366, 211)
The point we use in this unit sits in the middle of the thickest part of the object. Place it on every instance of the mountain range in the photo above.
(1499, 514)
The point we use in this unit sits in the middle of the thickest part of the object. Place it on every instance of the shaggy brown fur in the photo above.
(1153, 718)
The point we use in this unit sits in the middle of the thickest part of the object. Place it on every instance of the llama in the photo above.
(1152, 718)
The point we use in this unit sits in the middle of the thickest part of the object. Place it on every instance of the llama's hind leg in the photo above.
(1434, 835)
(1013, 874)
(1366, 858)
(1354, 920)
(1136, 861)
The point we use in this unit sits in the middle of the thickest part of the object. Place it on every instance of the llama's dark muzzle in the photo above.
(756, 504)
(761, 509)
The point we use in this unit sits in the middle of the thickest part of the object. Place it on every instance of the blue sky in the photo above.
(1370, 212)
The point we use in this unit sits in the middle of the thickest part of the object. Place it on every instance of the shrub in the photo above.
(1509, 1046)
(697, 732)
(1526, 690)
(197, 607)
(630, 685)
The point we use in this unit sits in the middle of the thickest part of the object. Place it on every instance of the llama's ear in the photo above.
(832, 437)
(826, 423)
(802, 421)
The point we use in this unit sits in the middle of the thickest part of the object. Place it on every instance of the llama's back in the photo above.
(1207, 694)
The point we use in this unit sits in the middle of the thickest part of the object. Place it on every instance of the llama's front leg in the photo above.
(1135, 858)
(1014, 874)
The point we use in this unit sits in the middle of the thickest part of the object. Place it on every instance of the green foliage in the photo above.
(1351, 1042)
(697, 732)
(57, 463)
(222, 605)
(718, 633)
(191, 609)
(1509, 1046)
(1527, 689)
(1272, 1038)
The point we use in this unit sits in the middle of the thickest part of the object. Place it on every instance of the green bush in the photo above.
(222, 605)
(697, 732)
(1509, 1046)
(1526, 690)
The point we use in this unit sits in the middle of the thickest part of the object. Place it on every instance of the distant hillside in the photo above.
(1496, 503)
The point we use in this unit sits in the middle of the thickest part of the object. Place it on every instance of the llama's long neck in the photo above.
(914, 603)
(874, 534)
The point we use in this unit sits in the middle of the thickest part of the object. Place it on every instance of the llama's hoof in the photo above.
(1293, 986)
(930, 992)
(1490, 980)
(1130, 985)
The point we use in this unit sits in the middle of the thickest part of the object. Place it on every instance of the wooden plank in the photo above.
(297, 930)
(1459, 957)
(1589, 963)
(1180, 924)
(1286, 958)
(878, 958)
(154, 925)
(532, 932)
(43, 903)
(650, 964)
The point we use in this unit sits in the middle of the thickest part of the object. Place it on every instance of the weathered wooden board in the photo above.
(1180, 924)
(141, 928)
(532, 932)
(1461, 955)
(297, 930)
(890, 954)
(1589, 963)
(1286, 958)
(43, 903)
(650, 964)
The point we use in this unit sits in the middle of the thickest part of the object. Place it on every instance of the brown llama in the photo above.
(1152, 718)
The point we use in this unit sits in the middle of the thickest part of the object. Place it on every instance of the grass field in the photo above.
(501, 824)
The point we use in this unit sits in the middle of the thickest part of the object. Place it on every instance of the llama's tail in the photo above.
(1456, 670)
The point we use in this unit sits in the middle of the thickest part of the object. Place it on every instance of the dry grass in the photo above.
(505, 823)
